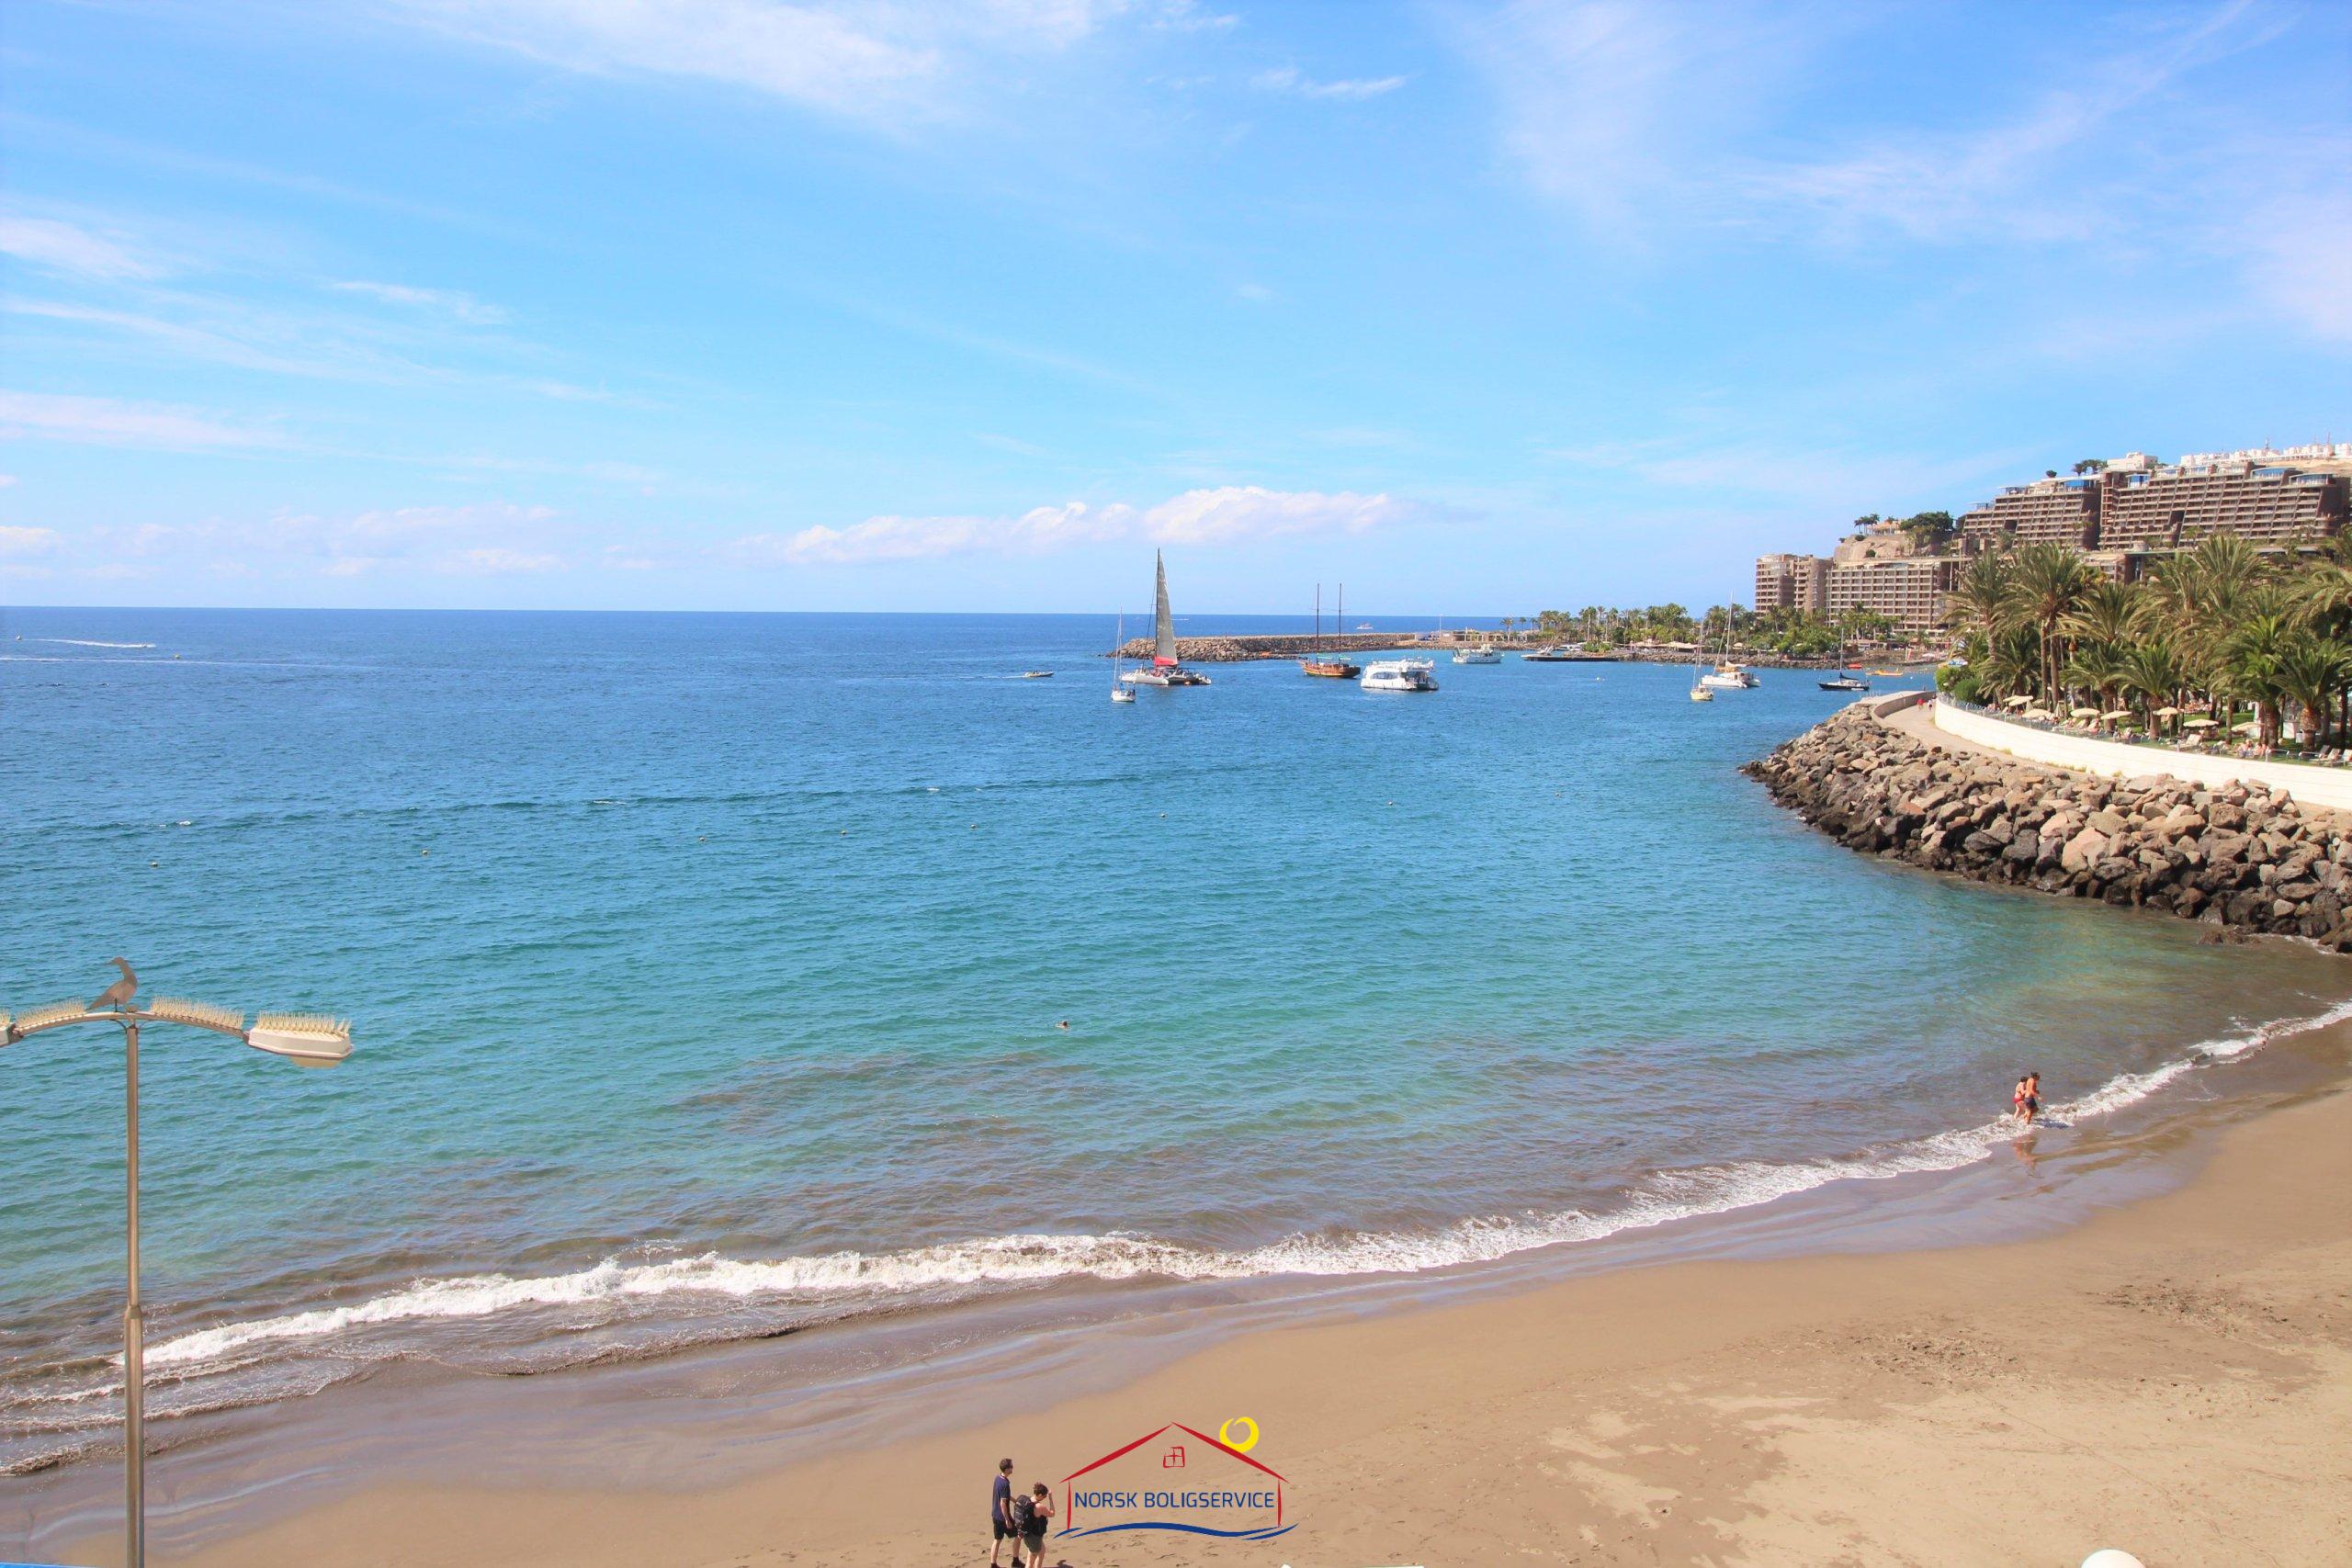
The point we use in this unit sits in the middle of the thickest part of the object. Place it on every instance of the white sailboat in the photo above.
(1120, 693)
(1164, 669)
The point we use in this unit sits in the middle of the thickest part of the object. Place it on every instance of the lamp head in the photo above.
(306, 1039)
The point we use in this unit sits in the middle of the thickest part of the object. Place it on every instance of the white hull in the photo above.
(1478, 656)
(1740, 681)
(1176, 677)
(1399, 675)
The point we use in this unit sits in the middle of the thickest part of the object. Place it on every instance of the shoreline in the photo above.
(642, 1448)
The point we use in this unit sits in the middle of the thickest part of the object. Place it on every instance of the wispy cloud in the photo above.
(70, 249)
(1641, 118)
(884, 63)
(110, 422)
(17, 541)
(451, 302)
(1288, 79)
(484, 539)
(1227, 514)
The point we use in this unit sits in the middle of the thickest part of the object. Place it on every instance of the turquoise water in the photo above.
(705, 973)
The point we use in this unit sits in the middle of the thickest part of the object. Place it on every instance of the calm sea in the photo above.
(708, 974)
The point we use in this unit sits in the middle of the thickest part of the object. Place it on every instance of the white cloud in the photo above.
(451, 302)
(492, 561)
(1287, 79)
(493, 539)
(1241, 511)
(67, 248)
(868, 62)
(1224, 515)
(19, 541)
(108, 422)
(1640, 119)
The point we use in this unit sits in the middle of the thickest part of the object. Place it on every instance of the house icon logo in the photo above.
(1175, 1478)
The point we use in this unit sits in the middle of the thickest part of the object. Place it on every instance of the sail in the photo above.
(1164, 653)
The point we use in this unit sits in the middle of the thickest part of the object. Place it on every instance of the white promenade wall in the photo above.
(2308, 784)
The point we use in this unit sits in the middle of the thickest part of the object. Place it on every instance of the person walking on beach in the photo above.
(1001, 1514)
(2025, 1101)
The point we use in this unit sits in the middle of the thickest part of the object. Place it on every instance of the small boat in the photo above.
(1399, 675)
(1890, 674)
(1844, 683)
(1363, 626)
(1335, 667)
(1486, 654)
(1729, 677)
(1036, 674)
(1120, 693)
(1551, 656)
(1164, 669)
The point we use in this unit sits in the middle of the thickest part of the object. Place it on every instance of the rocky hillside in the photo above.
(2243, 858)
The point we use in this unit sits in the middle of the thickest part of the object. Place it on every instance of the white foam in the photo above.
(86, 642)
(1018, 1259)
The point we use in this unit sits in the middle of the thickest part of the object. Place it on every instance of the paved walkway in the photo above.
(1918, 722)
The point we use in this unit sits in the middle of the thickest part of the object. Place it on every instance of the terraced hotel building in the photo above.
(2133, 508)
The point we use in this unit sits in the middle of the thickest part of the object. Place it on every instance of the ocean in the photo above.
(709, 977)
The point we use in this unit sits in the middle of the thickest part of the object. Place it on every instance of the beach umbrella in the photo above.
(2250, 727)
(2036, 713)
(2116, 713)
(2020, 701)
(2196, 724)
(2168, 713)
(2086, 713)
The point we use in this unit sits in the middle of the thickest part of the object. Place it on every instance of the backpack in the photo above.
(1025, 1514)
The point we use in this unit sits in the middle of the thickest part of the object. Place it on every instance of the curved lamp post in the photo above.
(308, 1040)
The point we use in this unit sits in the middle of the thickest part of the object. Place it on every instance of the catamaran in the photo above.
(1336, 667)
(1164, 669)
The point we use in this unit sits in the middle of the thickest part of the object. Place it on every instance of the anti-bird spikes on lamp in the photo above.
(306, 1039)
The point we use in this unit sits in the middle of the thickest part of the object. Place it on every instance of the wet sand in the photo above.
(2172, 1377)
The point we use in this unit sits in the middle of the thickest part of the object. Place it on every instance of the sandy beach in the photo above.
(2172, 1377)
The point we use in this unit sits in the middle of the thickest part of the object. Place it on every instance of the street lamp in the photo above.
(308, 1040)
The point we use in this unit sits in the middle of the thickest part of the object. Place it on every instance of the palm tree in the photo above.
(2100, 670)
(2109, 616)
(1979, 599)
(2154, 671)
(2050, 582)
(2313, 672)
(2253, 656)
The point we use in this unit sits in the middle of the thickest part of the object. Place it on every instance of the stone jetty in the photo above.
(1234, 650)
(2244, 859)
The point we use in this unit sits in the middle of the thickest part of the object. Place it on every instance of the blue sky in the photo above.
(1484, 309)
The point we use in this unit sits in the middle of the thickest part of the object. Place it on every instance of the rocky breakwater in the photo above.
(2242, 858)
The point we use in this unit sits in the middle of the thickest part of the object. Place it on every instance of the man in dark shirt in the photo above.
(1001, 1514)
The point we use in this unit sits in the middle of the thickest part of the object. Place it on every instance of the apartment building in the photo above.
(2046, 512)
(1792, 582)
(2271, 506)
(1909, 589)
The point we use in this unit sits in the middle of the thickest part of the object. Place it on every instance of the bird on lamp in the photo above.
(118, 995)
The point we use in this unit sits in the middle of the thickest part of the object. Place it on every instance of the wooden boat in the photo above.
(1331, 667)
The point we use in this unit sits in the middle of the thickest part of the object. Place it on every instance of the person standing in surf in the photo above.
(2025, 1101)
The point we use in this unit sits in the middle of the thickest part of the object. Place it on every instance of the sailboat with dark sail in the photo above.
(1332, 665)
(1163, 669)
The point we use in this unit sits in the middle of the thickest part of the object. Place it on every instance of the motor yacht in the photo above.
(1399, 675)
